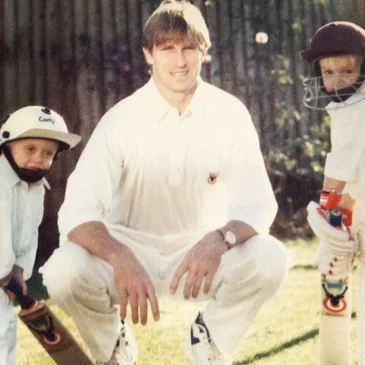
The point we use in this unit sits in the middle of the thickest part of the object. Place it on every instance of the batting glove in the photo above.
(339, 239)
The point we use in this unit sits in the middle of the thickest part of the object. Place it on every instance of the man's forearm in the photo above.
(241, 230)
(95, 238)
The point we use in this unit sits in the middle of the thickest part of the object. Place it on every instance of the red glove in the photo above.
(329, 200)
(346, 217)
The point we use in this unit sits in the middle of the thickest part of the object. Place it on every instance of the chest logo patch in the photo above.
(212, 179)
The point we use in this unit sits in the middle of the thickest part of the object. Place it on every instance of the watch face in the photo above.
(230, 238)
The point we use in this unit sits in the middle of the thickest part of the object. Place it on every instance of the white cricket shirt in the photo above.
(21, 212)
(152, 170)
(346, 161)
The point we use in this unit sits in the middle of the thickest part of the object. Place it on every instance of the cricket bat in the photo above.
(336, 301)
(48, 330)
(335, 323)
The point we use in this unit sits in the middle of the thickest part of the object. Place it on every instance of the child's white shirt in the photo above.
(346, 161)
(21, 212)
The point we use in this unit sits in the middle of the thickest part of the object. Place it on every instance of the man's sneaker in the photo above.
(199, 347)
(125, 351)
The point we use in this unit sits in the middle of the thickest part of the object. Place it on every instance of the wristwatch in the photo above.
(228, 237)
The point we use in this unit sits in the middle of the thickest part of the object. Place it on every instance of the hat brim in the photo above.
(306, 55)
(69, 139)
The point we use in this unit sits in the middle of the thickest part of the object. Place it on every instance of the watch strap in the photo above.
(223, 238)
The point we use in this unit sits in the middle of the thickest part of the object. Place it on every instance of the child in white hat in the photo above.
(30, 139)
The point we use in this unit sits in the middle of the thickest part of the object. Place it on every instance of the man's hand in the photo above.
(134, 285)
(200, 263)
(131, 280)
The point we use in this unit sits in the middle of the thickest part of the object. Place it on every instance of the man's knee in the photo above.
(273, 262)
(260, 265)
(63, 269)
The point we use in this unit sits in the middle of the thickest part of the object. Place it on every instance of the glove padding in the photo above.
(337, 251)
(337, 240)
(335, 268)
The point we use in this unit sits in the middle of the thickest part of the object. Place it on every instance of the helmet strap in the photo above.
(30, 176)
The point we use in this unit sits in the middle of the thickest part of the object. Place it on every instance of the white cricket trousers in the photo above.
(82, 285)
(8, 323)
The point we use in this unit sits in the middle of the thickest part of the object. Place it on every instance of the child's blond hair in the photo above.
(354, 61)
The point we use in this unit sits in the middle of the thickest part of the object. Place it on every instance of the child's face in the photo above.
(340, 72)
(33, 153)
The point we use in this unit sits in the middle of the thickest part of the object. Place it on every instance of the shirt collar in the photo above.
(156, 106)
(11, 178)
(198, 101)
(352, 100)
(7, 173)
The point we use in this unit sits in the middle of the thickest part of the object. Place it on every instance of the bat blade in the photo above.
(53, 335)
(335, 340)
(48, 330)
(335, 324)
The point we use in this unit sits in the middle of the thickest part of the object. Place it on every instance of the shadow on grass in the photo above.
(295, 341)
(305, 267)
(286, 345)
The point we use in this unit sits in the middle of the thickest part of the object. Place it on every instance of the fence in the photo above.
(80, 57)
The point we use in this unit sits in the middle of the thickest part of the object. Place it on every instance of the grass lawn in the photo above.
(284, 332)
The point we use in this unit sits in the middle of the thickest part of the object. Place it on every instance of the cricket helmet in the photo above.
(335, 38)
(331, 40)
(37, 122)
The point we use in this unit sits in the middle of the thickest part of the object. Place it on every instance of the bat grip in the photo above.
(25, 301)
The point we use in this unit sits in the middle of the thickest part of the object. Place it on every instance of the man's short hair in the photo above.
(176, 20)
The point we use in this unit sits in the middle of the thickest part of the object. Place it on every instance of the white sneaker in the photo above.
(125, 351)
(199, 347)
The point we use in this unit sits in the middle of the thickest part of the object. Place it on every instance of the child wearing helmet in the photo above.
(336, 54)
(30, 139)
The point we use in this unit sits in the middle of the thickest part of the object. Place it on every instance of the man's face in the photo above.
(33, 153)
(339, 72)
(175, 66)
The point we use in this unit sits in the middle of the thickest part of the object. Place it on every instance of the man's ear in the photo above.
(204, 54)
(148, 56)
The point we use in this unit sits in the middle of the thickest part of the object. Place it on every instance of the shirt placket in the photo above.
(26, 220)
(177, 151)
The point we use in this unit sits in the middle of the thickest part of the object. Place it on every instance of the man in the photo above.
(170, 197)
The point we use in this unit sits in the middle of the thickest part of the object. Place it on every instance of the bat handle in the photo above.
(25, 301)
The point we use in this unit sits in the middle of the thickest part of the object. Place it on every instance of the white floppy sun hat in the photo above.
(37, 122)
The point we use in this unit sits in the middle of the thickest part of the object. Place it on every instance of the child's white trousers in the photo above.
(8, 323)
